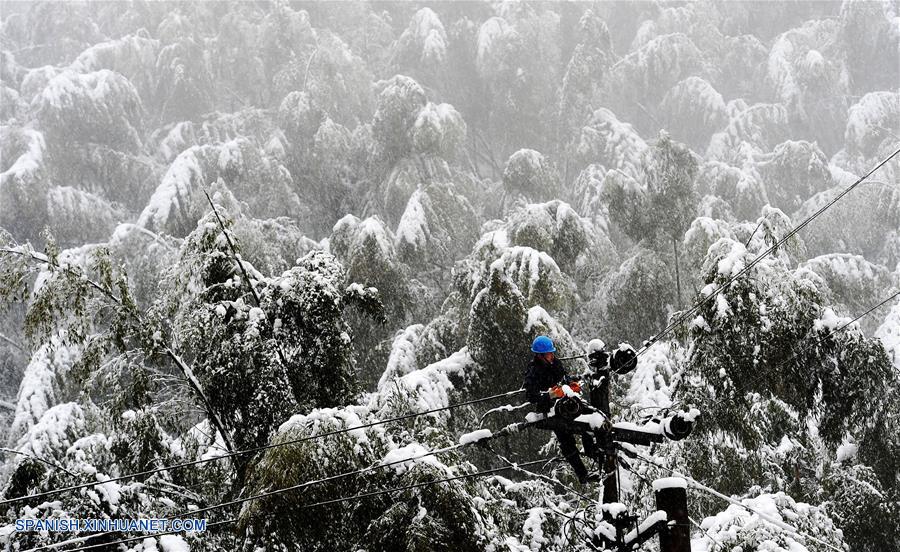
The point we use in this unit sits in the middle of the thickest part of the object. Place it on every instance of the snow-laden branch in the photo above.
(108, 293)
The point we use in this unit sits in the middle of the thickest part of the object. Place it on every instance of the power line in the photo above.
(123, 541)
(192, 513)
(257, 449)
(790, 529)
(794, 231)
(552, 480)
(423, 484)
(346, 498)
(818, 341)
(303, 485)
(691, 311)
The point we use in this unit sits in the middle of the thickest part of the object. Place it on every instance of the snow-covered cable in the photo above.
(691, 311)
(193, 513)
(274, 492)
(799, 350)
(790, 529)
(123, 541)
(552, 480)
(504, 408)
(325, 502)
(257, 449)
(417, 485)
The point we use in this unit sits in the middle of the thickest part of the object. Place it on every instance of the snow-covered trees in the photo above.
(397, 111)
(663, 61)
(792, 173)
(513, 169)
(773, 363)
(692, 111)
(206, 325)
(238, 167)
(583, 79)
(422, 47)
(637, 297)
(528, 173)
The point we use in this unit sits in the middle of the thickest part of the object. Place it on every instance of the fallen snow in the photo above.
(596, 420)
(402, 458)
(475, 436)
(829, 320)
(846, 451)
(670, 483)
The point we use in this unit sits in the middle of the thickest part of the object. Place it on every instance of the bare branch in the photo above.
(13, 343)
(195, 384)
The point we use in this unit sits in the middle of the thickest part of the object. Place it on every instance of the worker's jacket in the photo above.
(539, 377)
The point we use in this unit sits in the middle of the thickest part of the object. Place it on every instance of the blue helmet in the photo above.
(542, 344)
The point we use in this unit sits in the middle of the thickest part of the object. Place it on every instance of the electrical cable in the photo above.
(53, 492)
(423, 484)
(692, 310)
(193, 513)
(790, 529)
(799, 350)
(343, 499)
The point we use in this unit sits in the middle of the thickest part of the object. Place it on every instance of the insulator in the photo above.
(568, 408)
(677, 428)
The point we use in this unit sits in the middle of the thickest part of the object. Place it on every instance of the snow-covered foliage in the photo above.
(739, 527)
(424, 42)
(236, 166)
(694, 110)
(401, 199)
(607, 140)
(101, 107)
(530, 174)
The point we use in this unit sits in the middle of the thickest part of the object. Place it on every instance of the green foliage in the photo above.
(636, 298)
(496, 338)
(530, 174)
(861, 507)
(398, 107)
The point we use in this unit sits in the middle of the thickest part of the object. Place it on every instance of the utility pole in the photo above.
(671, 498)
(600, 399)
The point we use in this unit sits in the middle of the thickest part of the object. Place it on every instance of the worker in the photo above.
(545, 371)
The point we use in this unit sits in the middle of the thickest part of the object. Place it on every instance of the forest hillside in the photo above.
(227, 228)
